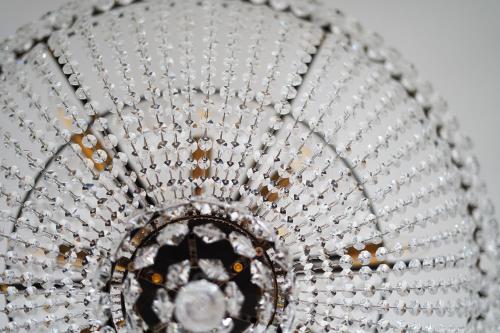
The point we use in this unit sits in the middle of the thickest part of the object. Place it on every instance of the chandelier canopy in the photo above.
(233, 166)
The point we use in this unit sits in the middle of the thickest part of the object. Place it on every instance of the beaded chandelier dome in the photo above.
(233, 166)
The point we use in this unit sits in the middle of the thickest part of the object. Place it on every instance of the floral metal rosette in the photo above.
(196, 266)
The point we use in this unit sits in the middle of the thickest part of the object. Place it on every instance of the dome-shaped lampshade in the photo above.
(232, 166)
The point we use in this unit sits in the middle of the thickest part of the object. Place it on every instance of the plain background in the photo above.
(455, 44)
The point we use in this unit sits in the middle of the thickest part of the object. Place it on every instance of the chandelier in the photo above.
(233, 166)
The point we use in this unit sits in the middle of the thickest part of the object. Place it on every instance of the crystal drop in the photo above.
(178, 274)
(242, 245)
(162, 306)
(173, 234)
(213, 269)
(261, 275)
(235, 299)
(146, 256)
(209, 233)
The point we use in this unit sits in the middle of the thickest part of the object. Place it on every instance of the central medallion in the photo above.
(198, 267)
